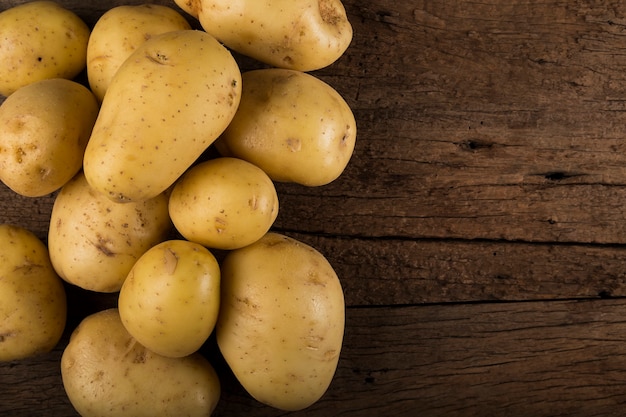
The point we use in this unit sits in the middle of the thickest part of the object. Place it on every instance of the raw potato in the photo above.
(107, 373)
(170, 299)
(44, 129)
(165, 106)
(33, 305)
(224, 203)
(40, 40)
(304, 35)
(292, 125)
(119, 32)
(94, 242)
(281, 321)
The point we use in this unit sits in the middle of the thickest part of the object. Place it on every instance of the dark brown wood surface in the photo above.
(479, 230)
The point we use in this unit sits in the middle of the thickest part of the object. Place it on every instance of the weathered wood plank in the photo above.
(476, 120)
(515, 359)
(479, 120)
(410, 271)
(388, 272)
(590, 213)
(407, 271)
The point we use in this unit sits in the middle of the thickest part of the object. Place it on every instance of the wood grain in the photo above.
(478, 231)
(523, 359)
(481, 120)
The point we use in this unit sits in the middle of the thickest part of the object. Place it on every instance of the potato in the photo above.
(33, 304)
(94, 242)
(40, 40)
(292, 125)
(281, 321)
(107, 373)
(119, 32)
(44, 129)
(164, 107)
(170, 299)
(224, 203)
(303, 35)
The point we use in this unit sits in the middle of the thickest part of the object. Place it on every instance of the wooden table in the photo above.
(478, 231)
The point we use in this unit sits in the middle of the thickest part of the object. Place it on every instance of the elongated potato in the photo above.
(165, 106)
(94, 242)
(119, 32)
(40, 40)
(293, 126)
(45, 127)
(304, 35)
(107, 373)
(281, 321)
(33, 305)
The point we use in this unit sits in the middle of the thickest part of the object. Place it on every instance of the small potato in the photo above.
(33, 305)
(170, 299)
(94, 242)
(44, 129)
(293, 126)
(281, 321)
(119, 32)
(304, 35)
(224, 203)
(107, 373)
(40, 40)
(166, 104)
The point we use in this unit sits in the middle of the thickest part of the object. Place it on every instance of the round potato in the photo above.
(119, 32)
(40, 40)
(170, 299)
(106, 372)
(45, 128)
(224, 203)
(293, 126)
(94, 242)
(281, 321)
(33, 304)
(304, 35)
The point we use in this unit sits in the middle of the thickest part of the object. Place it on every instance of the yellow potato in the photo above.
(106, 372)
(304, 35)
(119, 32)
(94, 242)
(45, 128)
(292, 125)
(224, 203)
(40, 40)
(164, 107)
(33, 306)
(170, 299)
(281, 321)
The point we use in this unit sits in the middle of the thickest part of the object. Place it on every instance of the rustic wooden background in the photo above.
(479, 230)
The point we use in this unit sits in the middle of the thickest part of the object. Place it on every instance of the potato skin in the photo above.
(303, 35)
(281, 321)
(224, 203)
(139, 147)
(117, 34)
(33, 303)
(44, 129)
(170, 299)
(94, 242)
(40, 40)
(107, 373)
(293, 126)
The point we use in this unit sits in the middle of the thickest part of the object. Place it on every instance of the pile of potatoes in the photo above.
(123, 153)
